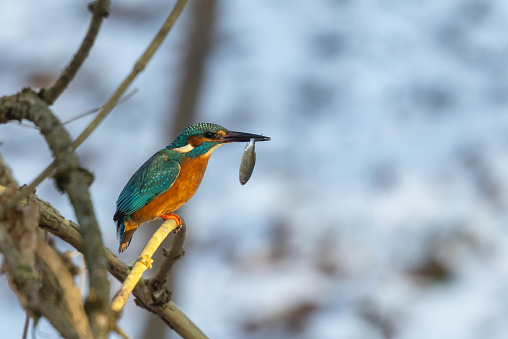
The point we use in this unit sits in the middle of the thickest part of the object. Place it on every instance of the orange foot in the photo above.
(175, 217)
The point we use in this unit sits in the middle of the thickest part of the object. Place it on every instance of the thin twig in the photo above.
(100, 10)
(142, 264)
(95, 110)
(25, 328)
(120, 332)
(172, 256)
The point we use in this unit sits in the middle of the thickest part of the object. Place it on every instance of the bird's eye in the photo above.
(209, 135)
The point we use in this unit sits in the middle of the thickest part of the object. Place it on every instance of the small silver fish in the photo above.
(248, 162)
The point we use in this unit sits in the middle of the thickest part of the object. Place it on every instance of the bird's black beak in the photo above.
(243, 137)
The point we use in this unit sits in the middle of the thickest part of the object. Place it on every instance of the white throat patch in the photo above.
(184, 149)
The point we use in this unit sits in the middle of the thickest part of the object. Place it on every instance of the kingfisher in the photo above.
(168, 179)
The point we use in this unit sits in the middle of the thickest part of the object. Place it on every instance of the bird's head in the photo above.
(202, 138)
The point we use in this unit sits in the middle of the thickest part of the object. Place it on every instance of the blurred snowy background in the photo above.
(378, 210)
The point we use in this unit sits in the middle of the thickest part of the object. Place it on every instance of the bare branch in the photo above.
(28, 242)
(52, 221)
(74, 180)
(175, 253)
(144, 261)
(100, 10)
(27, 282)
(72, 302)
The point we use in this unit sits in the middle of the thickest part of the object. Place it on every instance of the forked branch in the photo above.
(142, 264)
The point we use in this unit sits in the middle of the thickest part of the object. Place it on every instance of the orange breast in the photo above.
(186, 184)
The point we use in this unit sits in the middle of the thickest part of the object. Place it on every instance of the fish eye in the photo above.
(209, 135)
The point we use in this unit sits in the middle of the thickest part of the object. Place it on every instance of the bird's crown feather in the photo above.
(198, 138)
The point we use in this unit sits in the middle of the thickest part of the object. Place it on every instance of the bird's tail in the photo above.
(124, 236)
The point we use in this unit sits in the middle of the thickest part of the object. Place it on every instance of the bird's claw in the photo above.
(175, 217)
(177, 228)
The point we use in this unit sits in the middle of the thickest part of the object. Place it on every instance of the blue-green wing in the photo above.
(151, 180)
